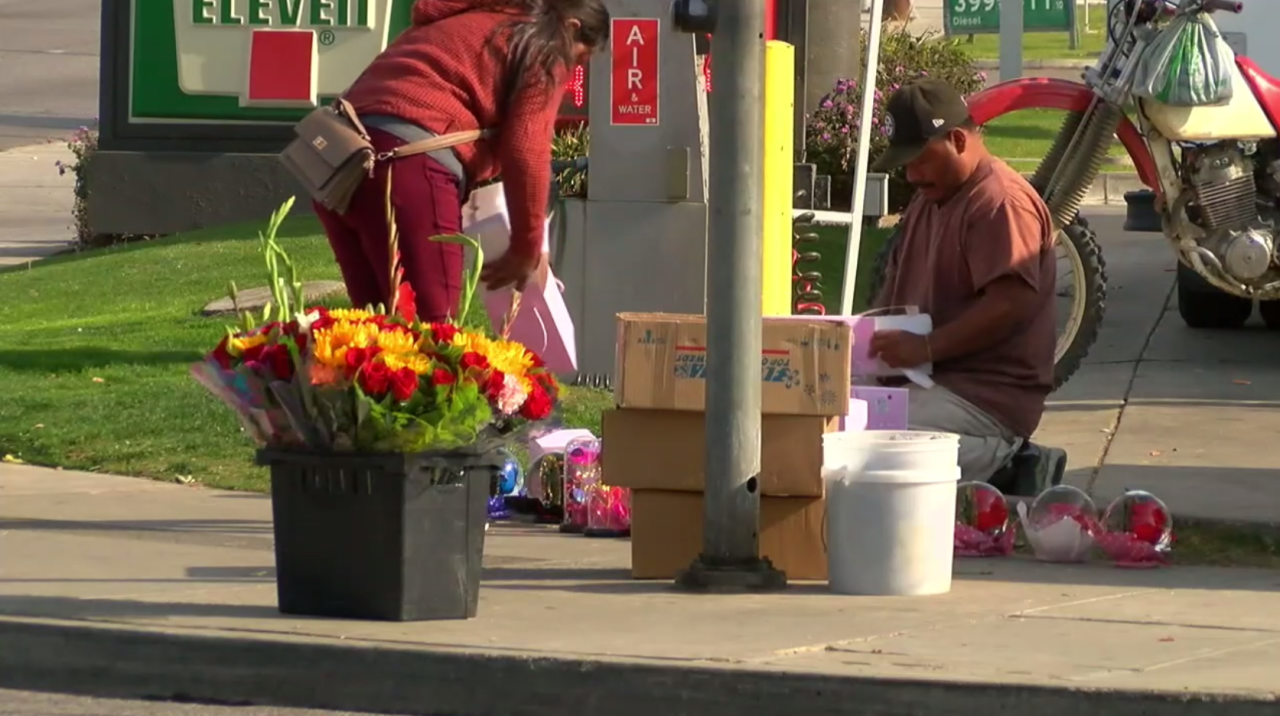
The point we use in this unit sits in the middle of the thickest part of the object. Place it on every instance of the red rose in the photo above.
(537, 360)
(442, 376)
(537, 406)
(1147, 522)
(356, 358)
(443, 332)
(471, 360)
(221, 355)
(281, 362)
(992, 512)
(375, 379)
(548, 382)
(493, 386)
(404, 383)
(253, 354)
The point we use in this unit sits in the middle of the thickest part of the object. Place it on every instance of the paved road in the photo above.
(48, 68)
(30, 703)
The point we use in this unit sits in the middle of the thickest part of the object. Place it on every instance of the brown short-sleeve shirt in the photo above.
(995, 226)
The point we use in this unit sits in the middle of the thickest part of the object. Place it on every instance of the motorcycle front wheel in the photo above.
(1081, 294)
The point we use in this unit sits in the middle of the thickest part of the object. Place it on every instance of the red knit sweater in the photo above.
(446, 74)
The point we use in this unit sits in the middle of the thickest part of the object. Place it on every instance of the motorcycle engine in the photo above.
(1239, 229)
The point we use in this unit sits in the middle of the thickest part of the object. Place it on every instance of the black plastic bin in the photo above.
(387, 537)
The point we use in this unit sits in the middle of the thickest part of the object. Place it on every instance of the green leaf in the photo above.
(471, 278)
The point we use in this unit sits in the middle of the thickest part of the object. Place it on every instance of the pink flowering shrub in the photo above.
(831, 129)
(83, 143)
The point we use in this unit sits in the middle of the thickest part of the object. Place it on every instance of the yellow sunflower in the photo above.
(330, 345)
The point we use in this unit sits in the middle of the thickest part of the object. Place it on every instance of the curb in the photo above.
(116, 662)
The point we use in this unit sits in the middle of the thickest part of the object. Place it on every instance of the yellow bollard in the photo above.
(779, 147)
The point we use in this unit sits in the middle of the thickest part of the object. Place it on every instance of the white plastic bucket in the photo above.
(890, 531)
(878, 450)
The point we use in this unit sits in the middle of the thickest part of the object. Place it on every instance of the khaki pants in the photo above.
(985, 444)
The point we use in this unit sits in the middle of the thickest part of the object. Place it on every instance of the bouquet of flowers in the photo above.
(372, 379)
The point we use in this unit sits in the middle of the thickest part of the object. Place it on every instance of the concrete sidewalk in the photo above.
(35, 203)
(171, 588)
(1189, 414)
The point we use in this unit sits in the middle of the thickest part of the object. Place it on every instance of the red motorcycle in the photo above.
(1215, 171)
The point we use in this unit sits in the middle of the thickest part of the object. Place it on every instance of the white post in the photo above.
(866, 112)
(1011, 39)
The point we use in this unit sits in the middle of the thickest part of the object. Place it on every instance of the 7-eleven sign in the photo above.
(276, 53)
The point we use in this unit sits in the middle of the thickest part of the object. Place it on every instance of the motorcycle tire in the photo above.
(1270, 312)
(1203, 305)
(1090, 272)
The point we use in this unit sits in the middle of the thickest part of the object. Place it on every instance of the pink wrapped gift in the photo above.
(555, 442)
(886, 407)
(542, 322)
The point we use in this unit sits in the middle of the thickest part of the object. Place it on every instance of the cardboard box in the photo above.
(666, 534)
(666, 450)
(863, 327)
(886, 407)
(661, 364)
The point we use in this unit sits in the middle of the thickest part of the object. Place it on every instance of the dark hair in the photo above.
(541, 42)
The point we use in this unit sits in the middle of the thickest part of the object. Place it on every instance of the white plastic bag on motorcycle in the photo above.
(1188, 64)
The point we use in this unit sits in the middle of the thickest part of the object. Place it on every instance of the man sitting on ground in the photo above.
(975, 251)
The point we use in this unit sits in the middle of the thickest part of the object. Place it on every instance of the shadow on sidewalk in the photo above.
(49, 607)
(1014, 570)
(219, 527)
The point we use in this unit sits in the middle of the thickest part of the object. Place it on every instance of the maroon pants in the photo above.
(428, 202)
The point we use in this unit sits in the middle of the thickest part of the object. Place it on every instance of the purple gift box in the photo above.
(886, 407)
(856, 420)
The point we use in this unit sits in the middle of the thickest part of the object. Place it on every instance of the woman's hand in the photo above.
(513, 269)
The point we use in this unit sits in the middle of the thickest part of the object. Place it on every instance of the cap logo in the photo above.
(890, 125)
(938, 123)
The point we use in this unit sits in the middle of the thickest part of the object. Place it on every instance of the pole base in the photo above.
(708, 574)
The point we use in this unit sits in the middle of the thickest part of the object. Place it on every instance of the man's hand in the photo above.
(512, 269)
(900, 349)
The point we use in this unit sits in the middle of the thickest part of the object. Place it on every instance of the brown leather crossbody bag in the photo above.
(332, 153)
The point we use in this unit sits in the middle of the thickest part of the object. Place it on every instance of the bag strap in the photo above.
(346, 110)
(426, 146)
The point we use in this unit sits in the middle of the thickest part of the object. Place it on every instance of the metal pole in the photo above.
(1073, 39)
(831, 53)
(1011, 39)
(731, 548)
(863, 158)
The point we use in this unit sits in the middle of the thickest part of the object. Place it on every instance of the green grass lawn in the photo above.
(832, 245)
(1046, 45)
(1023, 138)
(96, 348)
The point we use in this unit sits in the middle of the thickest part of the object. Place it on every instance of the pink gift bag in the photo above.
(542, 322)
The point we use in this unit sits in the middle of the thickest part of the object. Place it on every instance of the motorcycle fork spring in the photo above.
(806, 280)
